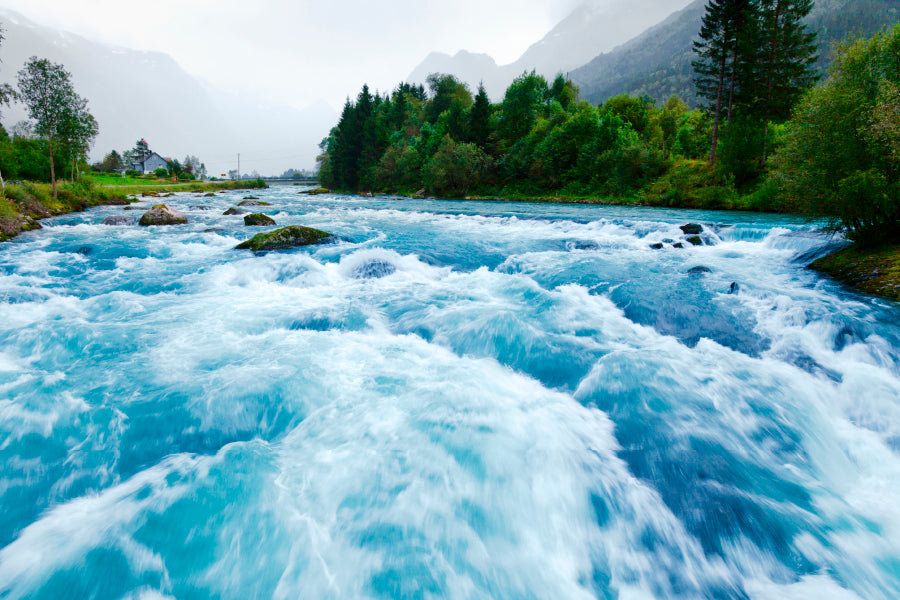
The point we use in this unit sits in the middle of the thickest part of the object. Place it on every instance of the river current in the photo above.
(452, 400)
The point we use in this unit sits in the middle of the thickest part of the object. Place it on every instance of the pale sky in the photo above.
(298, 51)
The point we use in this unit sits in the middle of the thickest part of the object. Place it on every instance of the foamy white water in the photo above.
(454, 400)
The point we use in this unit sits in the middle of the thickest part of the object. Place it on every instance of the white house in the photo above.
(150, 163)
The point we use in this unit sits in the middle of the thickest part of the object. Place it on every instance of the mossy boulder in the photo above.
(233, 211)
(316, 191)
(254, 203)
(251, 197)
(692, 229)
(258, 220)
(163, 215)
(870, 270)
(293, 236)
(209, 195)
(695, 240)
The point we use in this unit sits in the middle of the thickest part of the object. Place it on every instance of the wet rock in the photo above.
(199, 207)
(258, 220)
(657, 246)
(366, 195)
(150, 194)
(691, 229)
(699, 270)
(85, 250)
(254, 203)
(695, 240)
(251, 197)
(374, 269)
(735, 288)
(582, 245)
(213, 230)
(678, 245)
(292, 236)
(163, 215)
(233, 211)
(668, 241)
(209, 195)
(120, 220)
(315, 192)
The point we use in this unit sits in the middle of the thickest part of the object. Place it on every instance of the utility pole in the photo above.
(239, 166)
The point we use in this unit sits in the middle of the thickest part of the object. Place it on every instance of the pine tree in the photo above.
(480, 119)
(722, 58)
(786, 59)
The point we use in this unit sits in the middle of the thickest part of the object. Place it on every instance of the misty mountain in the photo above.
(658, 62)
(135, 94)
(592, 28)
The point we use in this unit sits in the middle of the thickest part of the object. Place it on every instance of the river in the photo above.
(453, 400)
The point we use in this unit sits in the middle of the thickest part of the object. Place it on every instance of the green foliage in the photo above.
(694, 184)
(839, 157)
(456, 168)
(161, 172)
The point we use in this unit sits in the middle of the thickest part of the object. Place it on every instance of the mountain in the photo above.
(592, 28)
(658, 62)
(135, 94)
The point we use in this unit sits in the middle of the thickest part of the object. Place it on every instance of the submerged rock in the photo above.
(657, 246)
(373, 269)
(254, 203)
(251, 197)
(735, 288)
(85, 250)
(292, 236)
(699, 270)
(233, 211)
(258, 220)
(163, 215)
(118, 221)
(678, 245)
(209, 195)
(695, 240)
(691, 229)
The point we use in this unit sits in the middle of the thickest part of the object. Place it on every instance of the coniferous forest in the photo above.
(771, 134)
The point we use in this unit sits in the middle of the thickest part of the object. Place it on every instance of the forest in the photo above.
(771, 134)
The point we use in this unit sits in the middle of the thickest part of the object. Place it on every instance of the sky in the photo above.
(297, 52)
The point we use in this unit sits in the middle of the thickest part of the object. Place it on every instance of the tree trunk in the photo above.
(52, 169)
(2, 183)
(715, 136)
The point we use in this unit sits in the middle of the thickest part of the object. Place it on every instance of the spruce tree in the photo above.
(785, 65)
(724, 52)
(480, 119)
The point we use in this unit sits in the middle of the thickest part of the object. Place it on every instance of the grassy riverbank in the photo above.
(22, 206)
(870, 270)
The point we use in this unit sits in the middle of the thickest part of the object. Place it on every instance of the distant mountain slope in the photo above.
(657, 62)
(136, 94)
(595, 26)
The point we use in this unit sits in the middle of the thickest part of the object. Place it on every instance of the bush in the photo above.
(456, 168)
(133, 173)
(160, 172)
(691, 184)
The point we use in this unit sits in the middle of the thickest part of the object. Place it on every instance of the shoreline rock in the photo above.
(871, 271)
(259, 220)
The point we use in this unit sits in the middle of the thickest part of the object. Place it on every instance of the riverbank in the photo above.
(873, 271)
(22, 206)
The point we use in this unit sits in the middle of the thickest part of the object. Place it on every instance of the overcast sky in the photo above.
(299, 51)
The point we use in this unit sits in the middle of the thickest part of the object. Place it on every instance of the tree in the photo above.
(77, 132)
(786, 60)
(722, 58)
(112, 163)
(480, 119)
(840, 156)
(527, 94)
(7, 95)
(47, 92)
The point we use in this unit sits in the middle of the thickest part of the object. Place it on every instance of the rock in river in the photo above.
(163, 215)
(258, 220)
(692, 229)
(292, 236)
(233, 211)
(118, 221)
(254, 203)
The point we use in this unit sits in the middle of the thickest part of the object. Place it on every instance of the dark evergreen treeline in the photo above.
(540, 139)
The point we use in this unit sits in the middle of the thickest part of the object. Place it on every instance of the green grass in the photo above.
(108, 179)
(871, 270)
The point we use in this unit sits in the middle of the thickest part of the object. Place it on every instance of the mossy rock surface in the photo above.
(695, 240)
(873, 271)
(209, 195)
(258, 220)
(293, 236)
(254, 203)
(163, 215)
(316, 192)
